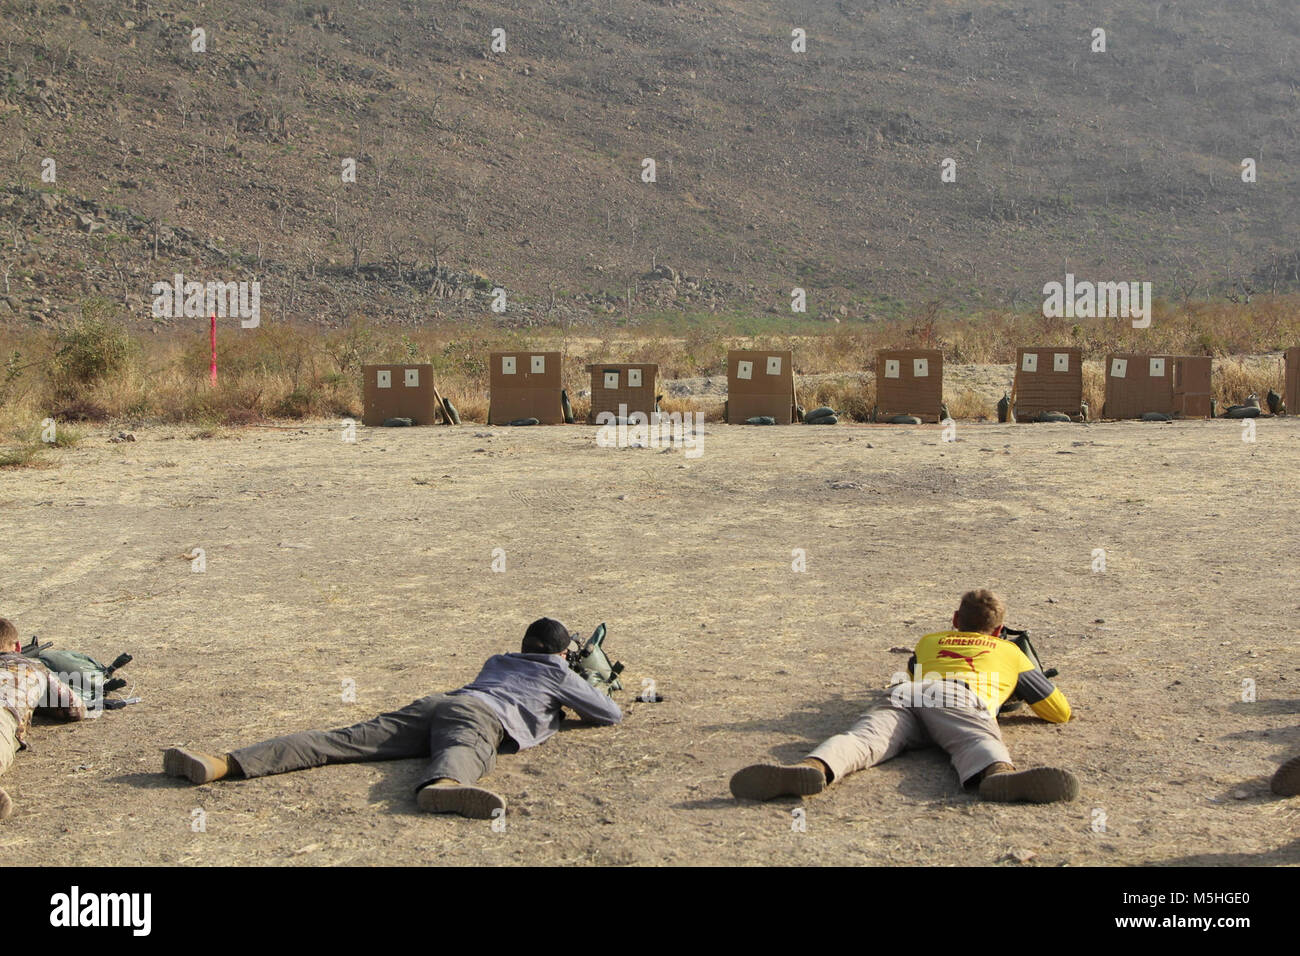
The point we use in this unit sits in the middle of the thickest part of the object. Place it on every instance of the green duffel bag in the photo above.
(822, 412)
(86, 677)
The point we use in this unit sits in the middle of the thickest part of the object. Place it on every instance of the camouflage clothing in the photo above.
(27, 686)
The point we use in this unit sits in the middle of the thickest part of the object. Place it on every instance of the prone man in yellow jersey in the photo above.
(960, 679)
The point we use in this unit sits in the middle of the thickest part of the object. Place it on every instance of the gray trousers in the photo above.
(458, 733)
(946, 713)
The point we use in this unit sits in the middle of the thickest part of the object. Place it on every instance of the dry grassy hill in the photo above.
(522, 168)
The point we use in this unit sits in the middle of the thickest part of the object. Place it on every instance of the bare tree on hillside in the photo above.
(157, 207)
(357, 233)
(182, 99)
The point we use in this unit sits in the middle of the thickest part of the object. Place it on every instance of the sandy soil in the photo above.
(328, 561)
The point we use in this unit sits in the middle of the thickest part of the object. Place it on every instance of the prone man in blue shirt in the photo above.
(513, 704)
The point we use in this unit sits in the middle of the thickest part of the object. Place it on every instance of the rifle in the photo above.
(590, 662)
(1021, 640)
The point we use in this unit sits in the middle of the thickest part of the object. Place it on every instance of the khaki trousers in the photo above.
(944, 713)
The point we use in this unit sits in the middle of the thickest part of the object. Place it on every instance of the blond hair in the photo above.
(981, 611)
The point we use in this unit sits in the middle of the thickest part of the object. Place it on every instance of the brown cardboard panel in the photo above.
(637, 398)
(1291, 390)
(907, 392)
(760, 382)
(1192, 385)
(525, 384)
(542, 404)
(743, 407)
(1133, 387)
(1048, 380)
(408, 393)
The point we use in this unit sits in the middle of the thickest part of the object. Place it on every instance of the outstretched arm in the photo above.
(589, 703)
(65, 702)
(1034, 688)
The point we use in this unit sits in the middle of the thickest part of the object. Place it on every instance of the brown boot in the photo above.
(6, 806)
(196, 766)
(998, 767)
(451, 796)
(1039, 785)
(764, 781)
(1286, 782)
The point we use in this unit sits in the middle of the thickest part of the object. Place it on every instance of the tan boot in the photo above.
(765, 781)
(6, 806)
(1039, 785)
(451, 796)
(195, 766)
(1286, 782)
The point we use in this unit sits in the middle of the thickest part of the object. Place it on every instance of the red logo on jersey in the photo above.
(961, 657)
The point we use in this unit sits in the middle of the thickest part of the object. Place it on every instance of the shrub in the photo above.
(89, 350)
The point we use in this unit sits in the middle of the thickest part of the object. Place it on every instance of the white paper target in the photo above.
(539, 363)
(1157, 368)
(1029, 362)
(745, 370)
(1118, 368)
(920, 368)
(611, 380)
(384, 378)
(774, 365)
(507, 365)
(412, 378)
(1061, 362)
(891, 368)
(634, 378)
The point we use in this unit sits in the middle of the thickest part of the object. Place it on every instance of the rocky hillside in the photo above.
(214, 139)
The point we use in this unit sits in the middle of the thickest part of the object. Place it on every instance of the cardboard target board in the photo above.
(397, 391)
(1291, 389)
(760, 382)
(1048, 380)
(1192, 385)
(909, 382)
(524, 385)
(617, 384)
(1169, 384)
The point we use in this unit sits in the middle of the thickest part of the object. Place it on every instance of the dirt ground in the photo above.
(329, 562)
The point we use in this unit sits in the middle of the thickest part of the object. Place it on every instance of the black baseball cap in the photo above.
(546, 636)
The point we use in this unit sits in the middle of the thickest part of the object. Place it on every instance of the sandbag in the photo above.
(761, 420)
(525, 421)
(398, 422)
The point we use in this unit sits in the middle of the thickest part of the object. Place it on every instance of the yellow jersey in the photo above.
(992, 667)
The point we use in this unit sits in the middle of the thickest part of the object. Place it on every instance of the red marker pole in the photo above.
(213, 366)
